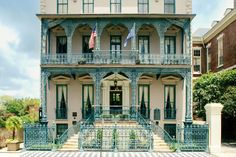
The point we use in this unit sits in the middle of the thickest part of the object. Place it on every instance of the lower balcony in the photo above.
(61, 113)
(122, 57)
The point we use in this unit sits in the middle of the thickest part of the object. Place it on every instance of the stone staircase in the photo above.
(159, 144)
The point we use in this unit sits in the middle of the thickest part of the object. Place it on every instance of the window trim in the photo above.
(220, 39)
(174, 5)
(116, 4)
(83, 3)
(200, 57)
(62, 4)
(170, 85)
(148, 37)
(83, 86)
(57, 103)
(139, 3)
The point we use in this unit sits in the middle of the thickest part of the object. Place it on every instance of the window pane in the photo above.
(170, 45)
(62, 6)
(169, 6)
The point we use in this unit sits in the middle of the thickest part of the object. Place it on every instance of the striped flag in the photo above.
(92, 38)
(130, 35)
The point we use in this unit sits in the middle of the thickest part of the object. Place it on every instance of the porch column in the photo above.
(162, 43)
(69, 30)
(188, 40)
(43, 94)
(188, 82)
(99, 32)
(44, 32)
(133, 41)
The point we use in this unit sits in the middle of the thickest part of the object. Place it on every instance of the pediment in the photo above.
(115, 29)
(86, 79)
(170, 79)
(145, 79)
(61, 79)
(116, 76)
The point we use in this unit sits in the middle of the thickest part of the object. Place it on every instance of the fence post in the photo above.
(213, 118)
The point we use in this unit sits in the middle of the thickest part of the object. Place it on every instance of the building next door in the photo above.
(116, 100)
(115, 48)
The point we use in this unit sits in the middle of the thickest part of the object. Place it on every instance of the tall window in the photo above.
(169, 102)
(61, 44)
(143, 97)
(169, 6)
(85, 45)
(87, 100)
(88, 6)
(62, 6)
(115, 6)
(61, 108)
(170, 45)
(143, 6)
(220, 51)
(208, 60)
(197, 60)
(143, 44)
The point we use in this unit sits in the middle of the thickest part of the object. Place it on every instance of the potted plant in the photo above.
(99, 138)
(132, 138)
(13, 124)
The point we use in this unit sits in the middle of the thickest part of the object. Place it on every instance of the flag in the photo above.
(92, 38)
(130, 35)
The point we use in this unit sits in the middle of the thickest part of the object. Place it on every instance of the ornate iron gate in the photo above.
(115, 138)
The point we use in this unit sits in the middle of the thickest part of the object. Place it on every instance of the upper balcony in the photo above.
(116, 7)
(159, 41)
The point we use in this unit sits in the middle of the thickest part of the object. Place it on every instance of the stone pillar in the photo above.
(188, 83)
(43, 94)
(213, 118)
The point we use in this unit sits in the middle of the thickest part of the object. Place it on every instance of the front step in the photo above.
(159, 145)
(71, 144)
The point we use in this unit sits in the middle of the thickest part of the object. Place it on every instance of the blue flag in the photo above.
(130, 35)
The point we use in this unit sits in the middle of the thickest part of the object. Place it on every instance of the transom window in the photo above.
(88, 6)
(197, 60)
(220, 51)
(169, 102)
(170, 44)
(62, 6)
(61, 44)
(143, 6)
(169, 6)
(143, 44)
(115, 6)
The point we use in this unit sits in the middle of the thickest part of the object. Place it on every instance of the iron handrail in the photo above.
(74, 129)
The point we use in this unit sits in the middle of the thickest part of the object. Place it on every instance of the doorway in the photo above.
(116, 100)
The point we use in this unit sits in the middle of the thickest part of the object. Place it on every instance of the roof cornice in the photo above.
(220, 26)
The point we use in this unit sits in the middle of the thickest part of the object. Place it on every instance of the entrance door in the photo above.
(115, 49)
(115, 102)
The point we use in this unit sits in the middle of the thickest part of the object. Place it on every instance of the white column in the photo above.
(213, 118)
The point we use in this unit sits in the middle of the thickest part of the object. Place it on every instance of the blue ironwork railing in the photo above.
(74, 129)
(156, 129)
(61, 113)
(116, 57)
(170, 113)
(193, 137)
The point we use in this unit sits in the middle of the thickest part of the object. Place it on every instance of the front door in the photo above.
(115, 102)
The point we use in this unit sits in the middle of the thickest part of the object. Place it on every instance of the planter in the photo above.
(13, 146)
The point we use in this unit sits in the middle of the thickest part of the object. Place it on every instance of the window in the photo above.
(61, 107)
(85, 45)
(143, 6)
(143, 44)
(88, 6)
(171, 129)
(61, 128)
(87, 101)
(169, 6)
(169, 102)
(170, 45)
(220, 50)
(62, 6)
(143, 98)
(115, 6)
(197, 60)
(61, 44)
(208, 60)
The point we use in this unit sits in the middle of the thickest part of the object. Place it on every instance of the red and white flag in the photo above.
(92, 38)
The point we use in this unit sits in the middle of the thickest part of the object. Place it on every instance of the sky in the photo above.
(20, 42)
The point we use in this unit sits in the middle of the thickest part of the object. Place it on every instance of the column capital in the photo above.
(213, 108)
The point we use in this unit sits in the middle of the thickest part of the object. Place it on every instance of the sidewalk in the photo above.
(227, 150)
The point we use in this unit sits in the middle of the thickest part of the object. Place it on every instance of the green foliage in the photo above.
(2, 122)
(15, 107)
(215, 87)
(99, 135)
(13, 123)
(132, 135)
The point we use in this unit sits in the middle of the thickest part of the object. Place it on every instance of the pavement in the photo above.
(227, 150)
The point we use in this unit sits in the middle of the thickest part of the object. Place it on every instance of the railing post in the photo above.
(178, 137)
(53, 136)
